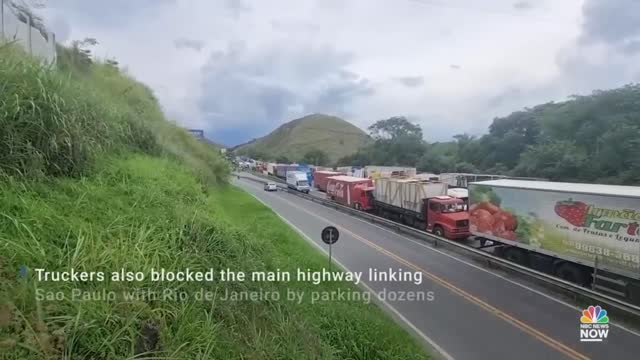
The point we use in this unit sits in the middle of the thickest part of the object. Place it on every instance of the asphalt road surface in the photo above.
(474, 313)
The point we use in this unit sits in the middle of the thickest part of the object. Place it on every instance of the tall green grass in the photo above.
(93, 177)
(56, 123)
(140, 213)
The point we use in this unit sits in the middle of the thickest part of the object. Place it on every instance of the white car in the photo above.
(270, 187)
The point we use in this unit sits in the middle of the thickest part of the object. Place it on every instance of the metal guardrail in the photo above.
(564, 285)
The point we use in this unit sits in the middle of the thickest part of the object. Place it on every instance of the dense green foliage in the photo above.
(59, 122)
(293, 141)
(594, 138)
(137, 213)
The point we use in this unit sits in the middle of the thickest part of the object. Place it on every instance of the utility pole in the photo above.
(29, 29)
(1, 19)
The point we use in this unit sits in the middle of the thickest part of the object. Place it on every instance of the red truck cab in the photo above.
(351, 191)
(447, 216)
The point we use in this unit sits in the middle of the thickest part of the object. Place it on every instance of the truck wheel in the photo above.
(515, 255)
(572, 273)
(438, 231)
(357, 206)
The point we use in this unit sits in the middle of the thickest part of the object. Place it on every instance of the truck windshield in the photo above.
(452, 208)
(369, 195)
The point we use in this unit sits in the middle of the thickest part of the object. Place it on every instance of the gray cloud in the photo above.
(411, 81)
(611, 21)
(109, 14)
(183, 43)
(60, 28)
(254, 91)
(504, 97)
(284, 71)
(288, 26)
(603, 56)
(237, 7)
(522, 5)
(632, 47)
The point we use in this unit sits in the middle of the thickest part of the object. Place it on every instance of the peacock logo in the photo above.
(594, 315)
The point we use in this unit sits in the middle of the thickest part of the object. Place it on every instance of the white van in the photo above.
(297, 180)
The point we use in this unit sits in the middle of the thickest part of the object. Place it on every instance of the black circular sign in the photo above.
(330, 235)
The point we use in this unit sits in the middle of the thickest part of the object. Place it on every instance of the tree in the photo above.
(558, 161)
(316, 157)
(393, 128)
(257, 154)
(360, 158)
(465, 167)
(396, 142)
(433, 162)
(282, 159)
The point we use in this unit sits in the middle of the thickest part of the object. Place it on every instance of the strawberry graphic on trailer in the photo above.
(575, 212)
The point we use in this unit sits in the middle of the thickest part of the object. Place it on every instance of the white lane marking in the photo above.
(547, 296)
(432, 343)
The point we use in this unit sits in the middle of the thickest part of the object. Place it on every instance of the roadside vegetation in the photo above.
(593, 138)
(94, 178)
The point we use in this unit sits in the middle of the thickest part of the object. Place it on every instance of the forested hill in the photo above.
(594, 138)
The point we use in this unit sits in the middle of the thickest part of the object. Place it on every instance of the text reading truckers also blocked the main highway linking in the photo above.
(77, 285)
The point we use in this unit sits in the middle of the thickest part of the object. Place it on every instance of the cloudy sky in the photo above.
(240, 68)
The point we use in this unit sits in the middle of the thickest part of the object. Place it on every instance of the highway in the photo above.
(474, 314)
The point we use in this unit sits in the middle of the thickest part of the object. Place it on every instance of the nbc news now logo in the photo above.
(594, 325)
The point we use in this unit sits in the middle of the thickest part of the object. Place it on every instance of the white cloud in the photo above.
(450, 65)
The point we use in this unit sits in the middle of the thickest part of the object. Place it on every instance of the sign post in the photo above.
(330, 236)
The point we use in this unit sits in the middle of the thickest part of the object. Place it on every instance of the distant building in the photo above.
(197, 133)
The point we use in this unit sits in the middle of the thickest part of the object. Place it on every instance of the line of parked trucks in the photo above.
(584, 233)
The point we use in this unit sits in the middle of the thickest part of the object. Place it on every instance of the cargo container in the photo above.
(462, 180)
(322, 177)
(279, 170)
(459, 193)
(422, 204)
(270, 167)
(350, 191)
(570, 230)
(297, 180)
(323, 168)
(428, 176)
(354, 171)
(375, 172)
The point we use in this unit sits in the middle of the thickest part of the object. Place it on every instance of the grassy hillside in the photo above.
(335, 136)
(93, 178)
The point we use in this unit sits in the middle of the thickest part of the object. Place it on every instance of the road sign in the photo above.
(330, 235)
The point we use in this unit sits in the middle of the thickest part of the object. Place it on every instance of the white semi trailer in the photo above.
(583, 233)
